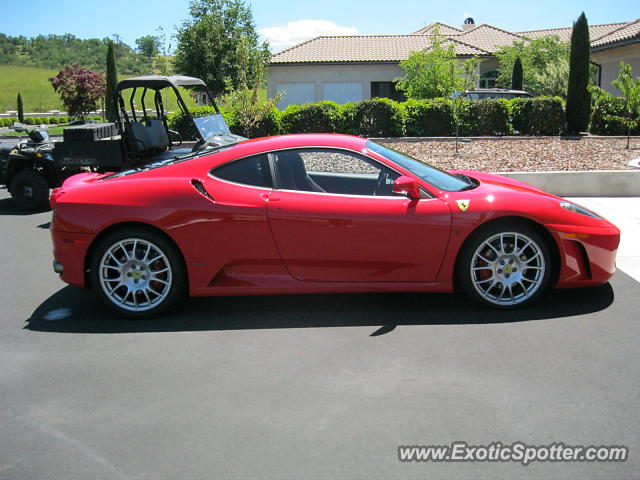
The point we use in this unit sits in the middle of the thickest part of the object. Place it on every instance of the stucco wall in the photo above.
(610, 61)
(319, 74)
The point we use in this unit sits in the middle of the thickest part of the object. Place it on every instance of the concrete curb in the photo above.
(596, 183)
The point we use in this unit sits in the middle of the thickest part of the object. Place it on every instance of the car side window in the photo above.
(326, 170)
(248, 171)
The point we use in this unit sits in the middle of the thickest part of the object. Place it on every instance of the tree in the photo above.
(578, 98)
(148, 45)
(544, 61)
(516, 75)
(248, 112)
(80, 89)
(435, 71)
(20, 109)
(208, 43)
(111, 110)
(630, 89)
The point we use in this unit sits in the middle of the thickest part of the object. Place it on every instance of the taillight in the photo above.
(55, 194)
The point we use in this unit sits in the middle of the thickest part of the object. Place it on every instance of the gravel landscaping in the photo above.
(522, 154)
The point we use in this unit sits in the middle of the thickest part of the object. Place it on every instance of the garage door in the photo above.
(342, 92)
(296, 93)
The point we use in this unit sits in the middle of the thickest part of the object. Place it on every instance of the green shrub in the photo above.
(492, 117)
(428, 118)
(537, 116)
(53, 120)
(63, 120)
(320, 117)
(467, 115)
(378, 117)
(10, 121)
(268, 126)
(29, 121)
(603, 121)
(483, 117)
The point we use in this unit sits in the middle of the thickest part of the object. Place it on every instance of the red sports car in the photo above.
(318, 214)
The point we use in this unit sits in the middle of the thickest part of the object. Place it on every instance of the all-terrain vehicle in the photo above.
(34, 166)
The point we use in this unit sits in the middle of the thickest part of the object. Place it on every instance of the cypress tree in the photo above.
(578, 97)
(20, 109)
(516, 75)
(111, 110)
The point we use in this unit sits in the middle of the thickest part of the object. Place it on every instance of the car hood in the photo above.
(500, 181)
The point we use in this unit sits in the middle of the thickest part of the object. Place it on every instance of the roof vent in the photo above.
(468, 23)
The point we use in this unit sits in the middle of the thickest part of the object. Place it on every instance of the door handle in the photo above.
(269, 197)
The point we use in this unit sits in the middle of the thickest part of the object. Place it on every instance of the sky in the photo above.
(287, 22)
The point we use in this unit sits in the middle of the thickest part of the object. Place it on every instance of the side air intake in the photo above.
(197, 184)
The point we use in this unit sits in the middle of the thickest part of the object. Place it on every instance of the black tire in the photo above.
(505, 276)
(134, 284)
(29, 190)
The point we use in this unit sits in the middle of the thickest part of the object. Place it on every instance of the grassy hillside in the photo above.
(38, 94)
(33, 84)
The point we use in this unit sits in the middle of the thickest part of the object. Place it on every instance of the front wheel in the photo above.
(29, 190)
(505, 266)
(138, 272)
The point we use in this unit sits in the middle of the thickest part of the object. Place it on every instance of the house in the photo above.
(352, 68)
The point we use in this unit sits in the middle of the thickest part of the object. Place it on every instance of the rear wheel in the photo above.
(29, 190)
(138, 272)
(505, 266)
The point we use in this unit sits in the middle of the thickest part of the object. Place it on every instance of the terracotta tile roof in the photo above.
(488, 37)
(595, 31)
(628, 31)
(443, 27)
(481, 40)
(364, 48)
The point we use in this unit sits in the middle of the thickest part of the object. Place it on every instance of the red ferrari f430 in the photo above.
(318, 213)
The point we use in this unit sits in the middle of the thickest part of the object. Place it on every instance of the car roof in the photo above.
(300, 140)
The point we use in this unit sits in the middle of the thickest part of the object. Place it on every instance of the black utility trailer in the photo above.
(134, 139)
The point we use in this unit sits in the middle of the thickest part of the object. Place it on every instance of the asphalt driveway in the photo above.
(303, 386)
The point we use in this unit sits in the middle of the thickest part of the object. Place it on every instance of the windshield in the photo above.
(432, 175)
(211, 125)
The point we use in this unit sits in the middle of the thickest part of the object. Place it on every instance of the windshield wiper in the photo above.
(471, 183)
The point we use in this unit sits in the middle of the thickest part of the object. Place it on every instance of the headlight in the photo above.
(572, 207)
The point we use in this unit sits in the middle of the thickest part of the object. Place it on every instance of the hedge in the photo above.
(428, 118)
(386, 118)
(537, 116)
(485, 118)
(378, 117)
(268, 126)
(321, 117)
(601, 121)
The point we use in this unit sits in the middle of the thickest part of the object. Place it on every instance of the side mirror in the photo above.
(406, 186)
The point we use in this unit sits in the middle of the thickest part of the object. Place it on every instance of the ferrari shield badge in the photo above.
(463, 205)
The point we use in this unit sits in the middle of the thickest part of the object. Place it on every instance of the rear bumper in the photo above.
(587, 254)
(69, 253)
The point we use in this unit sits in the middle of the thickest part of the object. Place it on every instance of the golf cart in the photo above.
(135, 139)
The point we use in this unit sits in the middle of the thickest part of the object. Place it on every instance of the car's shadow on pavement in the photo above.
(73, 310)
(7, 207)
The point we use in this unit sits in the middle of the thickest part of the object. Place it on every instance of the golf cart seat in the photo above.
(150, 138)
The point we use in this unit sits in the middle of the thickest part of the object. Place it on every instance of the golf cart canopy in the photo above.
(158, 82)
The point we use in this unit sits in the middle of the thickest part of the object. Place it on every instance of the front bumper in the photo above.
(587, 254)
